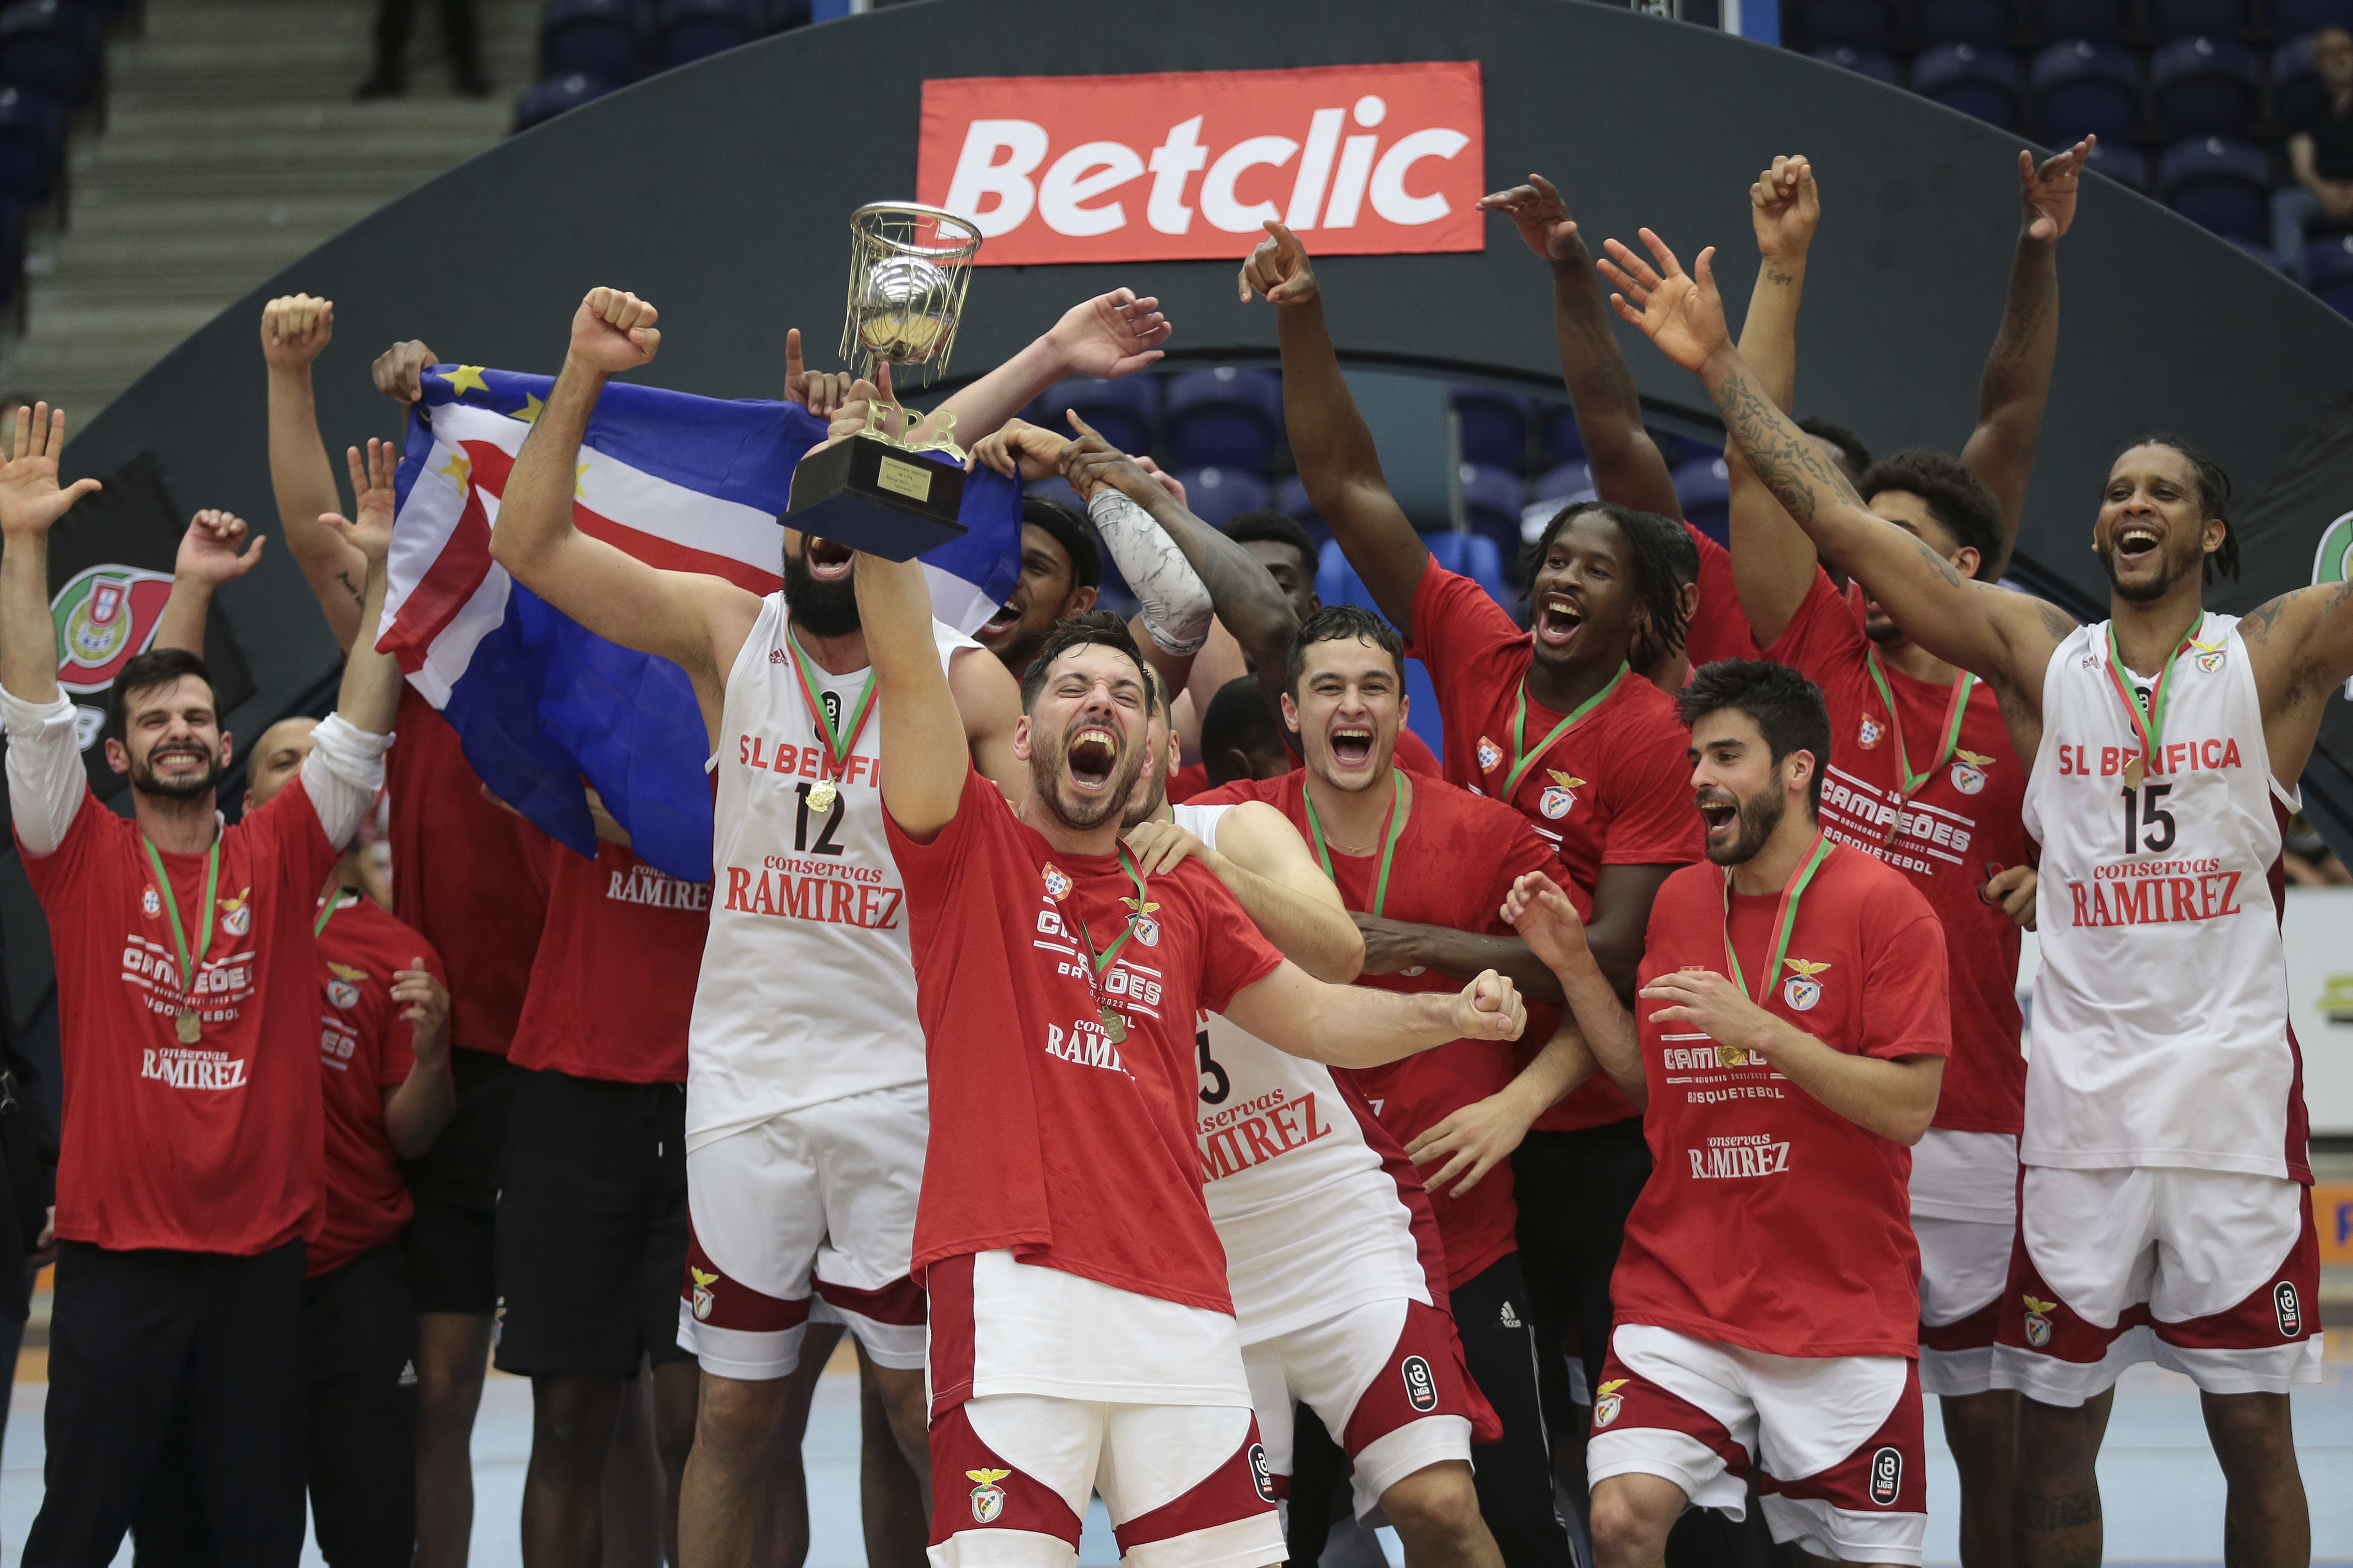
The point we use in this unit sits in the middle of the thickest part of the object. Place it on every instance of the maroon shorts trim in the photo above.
(1625, 1401)
(1236, 1489)
(1886, 1473)
(1974, 1332)
(899, 1303)
(725, 1303)
(948, 1284)
(1425, 1375)
(974, 1488)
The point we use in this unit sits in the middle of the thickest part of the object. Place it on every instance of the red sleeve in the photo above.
(1237, 793)
(1233, 954)
(1652, 821)
(400, 1039)
(1718, 629)
(1454, 622)
(1414, 755)
(1822, 634)
(1187, 781)
(935, 865)
(62, 867)
(1519, 853)
(1906, 979)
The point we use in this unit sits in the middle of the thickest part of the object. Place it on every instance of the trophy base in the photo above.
(869, 494)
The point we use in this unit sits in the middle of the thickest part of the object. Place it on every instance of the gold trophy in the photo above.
(910, 268)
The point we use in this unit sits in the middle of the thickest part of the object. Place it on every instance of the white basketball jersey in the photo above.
(807, 993)
(2160, 1032)
(1311, 1223)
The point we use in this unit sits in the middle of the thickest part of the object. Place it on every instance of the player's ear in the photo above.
(1291, 713)
(117, 756)
(1021, 739)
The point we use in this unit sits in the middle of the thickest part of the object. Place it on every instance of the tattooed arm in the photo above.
(2301, 646)
(2005, 638)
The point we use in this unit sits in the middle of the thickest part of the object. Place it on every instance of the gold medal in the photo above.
(2134, 774)
(822, 795)
(1114, 1027)
(190, 1028)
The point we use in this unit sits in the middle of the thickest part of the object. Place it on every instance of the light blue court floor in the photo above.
(2162, 1492)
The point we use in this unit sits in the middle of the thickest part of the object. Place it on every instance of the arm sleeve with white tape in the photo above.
(342, 775)
(46, 784)
(1176, 606)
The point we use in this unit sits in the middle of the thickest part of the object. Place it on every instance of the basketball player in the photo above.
(805, 1118)
(1082, 1335)
(2163, 1211)
(462, 875)
(1921, 773)
(1550, 720)
(188, 1016)
(1779, 1109)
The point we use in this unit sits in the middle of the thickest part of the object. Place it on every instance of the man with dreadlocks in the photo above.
(2163, 1212)
(1551, 722)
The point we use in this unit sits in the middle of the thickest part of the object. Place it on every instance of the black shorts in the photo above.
(591, 1226)
(452, 1258)
(461, 1169)
(1575, 1190)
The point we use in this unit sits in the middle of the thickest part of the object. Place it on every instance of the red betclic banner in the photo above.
(1188, 165)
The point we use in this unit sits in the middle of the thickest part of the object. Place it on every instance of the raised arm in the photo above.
(1108, 336)
(31, 504)
(923, 750)
(1329, 437)
(369, 697)
(1773, 561)
(294, 329)
(2301, 646)
(683, 616)
(1263, 862)
(208, 557)
(2005, 638)
(1355, 1026)
(1625, 464)
(2017, 380)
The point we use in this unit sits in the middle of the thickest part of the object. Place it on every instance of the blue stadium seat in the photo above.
(1490, 506)
(1473, 555)
(604, 39)
(689, 29)
(2205, 86)
(2102, 21)
(1215, 494)
(779, 16)
(2218, 183)
(1862, 62)
(2296, 81)
(2328, 270)
(2172, 19)
(1863, 24)
(1705, 489)
(2122, 162)
(1228, 417)
(1557, 433)
(546, 100)
(1985, 23)
(1291, 500)
(1121, 411)
(1981, 83)
(32, 147)
(1494, 426)
(2295, 18)
(2081, 88)
(53, 49)
(1555, 487)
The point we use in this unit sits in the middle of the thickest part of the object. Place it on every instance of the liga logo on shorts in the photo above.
(1561, 795)
(1606, 1408)
(1886, 1476)
(1489, 756)
(2038, 1321)
(1420, 1387)
(703, 1298)
(987, 1497)
(1260, 1477)
(2288, 1309)
(1801, 991)
(1968, 773)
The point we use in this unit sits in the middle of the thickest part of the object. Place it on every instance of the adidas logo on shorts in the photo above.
(408, 1375)
(1510, 1318)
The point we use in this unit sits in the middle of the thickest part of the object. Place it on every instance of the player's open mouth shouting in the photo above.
(1094, 754)
(1559, 617)
(828, 561)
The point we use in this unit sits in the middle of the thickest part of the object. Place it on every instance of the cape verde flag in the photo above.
(691, 484)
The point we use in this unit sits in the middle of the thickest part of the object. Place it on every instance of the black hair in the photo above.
(1269, 526)
(1787, 707)
(156, 667)
(1345, 623)
(1155, 690)
(1069, 531)
(1849, 444)
(1656, 549)
(2213, 499)
(1959, 500)
(1242, 718)
(1088, 627)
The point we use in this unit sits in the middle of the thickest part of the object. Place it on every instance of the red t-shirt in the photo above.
(365, 1048)
(213, 1147)
(1413, 754)
(613, 985)
(1455, 861)
(1962, 826)
(1770, 1221)
(1048, 1137)
(1613, 791)
(1718, 629)
(461, 875)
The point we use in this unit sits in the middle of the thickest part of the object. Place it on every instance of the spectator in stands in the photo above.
(461, 30)
(2320, 150)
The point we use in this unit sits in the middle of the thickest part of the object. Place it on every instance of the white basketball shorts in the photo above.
(1842, 1469)
(2211, 1273)
(1965, 1214)
(821, 1198)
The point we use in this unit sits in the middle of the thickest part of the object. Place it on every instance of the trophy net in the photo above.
(910, 268)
